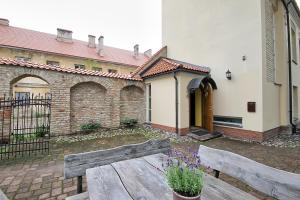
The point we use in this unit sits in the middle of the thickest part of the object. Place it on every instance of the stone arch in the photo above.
(31, 84)
(88, 104)
(132, 103)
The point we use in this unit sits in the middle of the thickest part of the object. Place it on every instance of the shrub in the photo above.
(90, 126)
(129, 123)
(184, 174)
(40, 131)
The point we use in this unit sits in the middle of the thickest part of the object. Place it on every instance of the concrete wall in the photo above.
(218, 34)
(66, 90)
(64, 61)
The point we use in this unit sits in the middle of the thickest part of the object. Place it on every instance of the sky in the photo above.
(123, 23)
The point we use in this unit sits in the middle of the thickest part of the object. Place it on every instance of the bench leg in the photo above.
(79, 184)
(217, 173)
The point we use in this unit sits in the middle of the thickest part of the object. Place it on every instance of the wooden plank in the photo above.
(82, 196)
(142, 180)
(2, 196)
(76, 164)
(104, 183)
(214, 189)
(274, 182)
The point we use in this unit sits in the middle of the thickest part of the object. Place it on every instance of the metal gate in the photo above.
(24, 126)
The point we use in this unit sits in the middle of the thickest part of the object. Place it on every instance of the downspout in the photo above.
(176, 102)
(286, 6)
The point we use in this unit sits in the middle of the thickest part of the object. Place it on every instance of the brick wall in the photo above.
(132, 103)
(69, 109)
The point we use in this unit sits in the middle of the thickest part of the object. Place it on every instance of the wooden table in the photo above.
(143, 179)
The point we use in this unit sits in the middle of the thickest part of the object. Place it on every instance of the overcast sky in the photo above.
(123, 23)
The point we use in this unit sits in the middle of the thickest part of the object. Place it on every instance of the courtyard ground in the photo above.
(41, 177)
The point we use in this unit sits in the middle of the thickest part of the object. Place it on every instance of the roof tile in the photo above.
(6, 61)
(45, 42)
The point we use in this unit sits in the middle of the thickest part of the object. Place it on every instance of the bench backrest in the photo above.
(273, 182)
(76, 164)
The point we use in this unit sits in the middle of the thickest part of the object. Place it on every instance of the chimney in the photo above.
(100, 45)
(4, 22)
(136, 51)
(64, 35)
(148, 53)
(92, 41)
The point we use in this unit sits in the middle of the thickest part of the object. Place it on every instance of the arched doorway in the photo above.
(29, 86)
(201, 102)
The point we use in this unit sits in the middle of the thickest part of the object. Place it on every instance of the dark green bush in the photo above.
(90, 126)
(129, 123)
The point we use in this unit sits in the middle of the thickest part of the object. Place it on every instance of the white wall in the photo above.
(217, 34)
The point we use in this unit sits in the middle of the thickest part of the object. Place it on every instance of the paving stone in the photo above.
(7, 181)
(61, 197)
(42, 191)
(44, 196)
(56, 184)
(37, 180)
(12, 188)
(16, 182)
(23, 195)
(36, 186)
(56, 191)
(69, 189)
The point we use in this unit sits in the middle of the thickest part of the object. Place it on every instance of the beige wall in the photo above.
(276, 94)
(163, 100)
(184, 99)
(218, 34)
(64, 60)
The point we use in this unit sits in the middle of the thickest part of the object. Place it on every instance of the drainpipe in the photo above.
(176, 101)
(286, 6)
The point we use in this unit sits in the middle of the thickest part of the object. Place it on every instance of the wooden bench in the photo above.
(273, 182)
(2, 196)
(75, 165)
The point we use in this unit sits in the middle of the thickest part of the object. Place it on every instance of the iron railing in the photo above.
(24, 126)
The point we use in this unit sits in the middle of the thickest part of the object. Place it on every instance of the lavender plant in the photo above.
(184, 173)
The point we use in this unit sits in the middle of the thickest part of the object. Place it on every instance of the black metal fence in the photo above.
(24, 126)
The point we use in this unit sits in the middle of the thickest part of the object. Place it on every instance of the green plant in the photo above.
(129, 123)
(40, 131)
(90, 126)
(184, 174)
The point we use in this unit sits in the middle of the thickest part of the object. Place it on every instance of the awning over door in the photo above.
(205, 79)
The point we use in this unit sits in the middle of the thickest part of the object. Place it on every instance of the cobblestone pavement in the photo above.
(41, 177)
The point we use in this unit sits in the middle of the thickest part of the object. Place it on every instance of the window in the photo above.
(112, 71)
(149, 102)
(79, 66)
(294, 42)
(53, 63)
(98, 69)
(22, 58)
(228, 121)
(22, 95)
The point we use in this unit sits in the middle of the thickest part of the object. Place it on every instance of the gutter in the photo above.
(176, 101)
(286, 6)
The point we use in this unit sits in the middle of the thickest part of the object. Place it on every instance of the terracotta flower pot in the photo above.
(177, 196)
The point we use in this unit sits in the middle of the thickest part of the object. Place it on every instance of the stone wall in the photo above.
(72, 101)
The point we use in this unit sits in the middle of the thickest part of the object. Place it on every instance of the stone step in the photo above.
(205, 137)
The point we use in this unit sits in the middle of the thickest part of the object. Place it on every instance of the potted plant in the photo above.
(184, 176)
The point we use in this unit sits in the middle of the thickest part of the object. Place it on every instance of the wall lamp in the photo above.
(228, 74)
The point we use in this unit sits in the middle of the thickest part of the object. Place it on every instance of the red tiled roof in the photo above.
(45, 42)
(142, 67)
(5, 61)
(167, 65)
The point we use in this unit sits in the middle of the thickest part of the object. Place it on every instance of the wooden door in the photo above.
(207, 97)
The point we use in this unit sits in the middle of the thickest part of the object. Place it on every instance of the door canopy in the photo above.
(202, 80)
